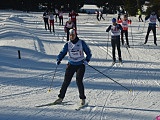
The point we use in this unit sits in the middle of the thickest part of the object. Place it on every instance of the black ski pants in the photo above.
(115, 42)
(125, 32)
(70, 70)
(46, 23)
(153, 28)
(68, 33)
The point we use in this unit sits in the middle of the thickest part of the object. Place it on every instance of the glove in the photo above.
(85, 62)
(58, 62)
(130, 21)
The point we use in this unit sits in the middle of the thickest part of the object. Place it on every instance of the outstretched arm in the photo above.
(87, 51)
(63, 52)
(108, 29)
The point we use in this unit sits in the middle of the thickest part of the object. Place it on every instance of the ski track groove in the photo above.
(13, 95)
(105, 103)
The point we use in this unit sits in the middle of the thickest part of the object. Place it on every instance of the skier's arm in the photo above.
(146, 18)
(129, 21)
(120, 27)
(63, 52)
(87, 51)
(65, 27)
(158, 18)
(108, 29)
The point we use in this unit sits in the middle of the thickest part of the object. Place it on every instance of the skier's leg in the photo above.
(119, 49)
(126, 35)
(122, 37)
(45, 25)
(154, 34)
(79, 80)
(148, 31)
(70, 70)
(113, 49)
(67, 34)
(50, 25)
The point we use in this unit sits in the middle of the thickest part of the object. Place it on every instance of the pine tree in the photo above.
(154, 5)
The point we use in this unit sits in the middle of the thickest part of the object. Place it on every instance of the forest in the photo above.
(131, 6)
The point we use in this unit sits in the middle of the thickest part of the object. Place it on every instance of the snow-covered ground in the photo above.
(24, 82)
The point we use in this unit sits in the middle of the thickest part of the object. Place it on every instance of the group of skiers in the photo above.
(76, 48)
(99, 15)
(48, 17)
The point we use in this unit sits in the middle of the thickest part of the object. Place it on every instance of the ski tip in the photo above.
(81, 107)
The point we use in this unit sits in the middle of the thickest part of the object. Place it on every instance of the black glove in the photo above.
(58, 62)
(85, 62)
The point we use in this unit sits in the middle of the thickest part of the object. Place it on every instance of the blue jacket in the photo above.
(86, 50)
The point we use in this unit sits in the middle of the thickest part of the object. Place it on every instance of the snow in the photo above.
(24, 83)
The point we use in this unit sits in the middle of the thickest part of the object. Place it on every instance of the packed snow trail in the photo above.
(24, 83)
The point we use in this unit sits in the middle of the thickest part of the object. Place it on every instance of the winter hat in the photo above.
(113, 19)
(72, 31)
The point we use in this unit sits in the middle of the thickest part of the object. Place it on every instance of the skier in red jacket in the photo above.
(125, 23)
(73, 16)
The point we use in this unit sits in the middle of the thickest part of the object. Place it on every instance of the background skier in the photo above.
(153, 17)
(115, 39)
(45, 18)
(73, 16)
(125, 23)
(69, 25)
(51, 21)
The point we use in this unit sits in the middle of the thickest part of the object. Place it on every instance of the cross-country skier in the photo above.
(101, 15)
(69, 25)
(73, 16)
(45, 18)
(119, 15)
(56, 14)
(97, 15)
(76, 63)
(115, 39)
(140, 15)
(51, 21)
(61, 17)
(153, 17)
(124, 22)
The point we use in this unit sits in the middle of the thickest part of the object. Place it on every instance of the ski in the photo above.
(117, 64)
(50, 104)
(120, 64)
(81, 107)
(113, 63)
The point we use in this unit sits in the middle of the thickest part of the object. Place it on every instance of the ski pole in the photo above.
(132, 35)
(143, 27)
(110, 78)
(128, 51)
(53, 78)
(107, 45)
